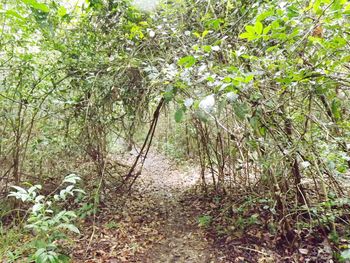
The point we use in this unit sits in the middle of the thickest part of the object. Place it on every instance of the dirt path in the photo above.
(183, 239)
(153, 224)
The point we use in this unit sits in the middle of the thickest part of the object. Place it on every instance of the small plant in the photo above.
(46, 220)
(205, 220)
(112, 225)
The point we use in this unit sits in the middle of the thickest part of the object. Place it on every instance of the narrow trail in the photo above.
(184, 241)
(153, 225)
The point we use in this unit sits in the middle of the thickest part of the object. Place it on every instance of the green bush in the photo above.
(48, 220)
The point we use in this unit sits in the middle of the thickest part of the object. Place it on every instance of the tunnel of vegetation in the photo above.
(257, 93)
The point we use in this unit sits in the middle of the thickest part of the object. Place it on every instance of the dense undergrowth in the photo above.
(255, 92)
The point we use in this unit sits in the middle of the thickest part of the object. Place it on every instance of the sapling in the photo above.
(47, 220)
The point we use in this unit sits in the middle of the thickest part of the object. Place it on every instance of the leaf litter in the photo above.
(158, 222)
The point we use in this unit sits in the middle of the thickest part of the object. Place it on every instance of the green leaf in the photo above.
(37, 5)
(14, 13)
(247, 35)
(187, 62)
(240, 110)
(42, 258)
(248, 78)
(214, 23)
(70, 227)
(197, 34)
(20, 189)
(250, 29)
(270, 49)
(72, 178)
(62, 11)
(264, 15)
(168, 96)
(336, 109)
(255, 123)
(258, 27)
(345, 254)
(205, 32)
(179, 115)
(39, 252)
(206, 48)
(266, 30)
(63, 258)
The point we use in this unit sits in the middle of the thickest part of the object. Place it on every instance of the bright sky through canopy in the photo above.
(146, 5)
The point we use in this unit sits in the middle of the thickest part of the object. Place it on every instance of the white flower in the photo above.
(207, 103)
(215, 48)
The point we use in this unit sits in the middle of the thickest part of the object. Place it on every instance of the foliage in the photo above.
(46, 220)
(204, 220)
(258, 93)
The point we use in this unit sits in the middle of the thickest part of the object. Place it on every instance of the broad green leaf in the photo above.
(206, 48)
(72, 178)
(345, 254)
(34, 188)
(37, 207)
(37, 5)
(264, 15)
(247, 35)
(275, 24)
(14, 13)
(168, 96)
(240, 110)
(70, 227)
(347, 7)
(59, 215)
(336, 109)
(258, 27)
(248, 78)
(254, 122)
(250, 29)
(205, 32)
(20, 189)
(197, 34)
(39, 252)
(179, 115)
(316, 6)
(70, 214)
(214, 24)
(62, 11)
(187, 62)
(266, 30)
(270, 49)
(63, 194)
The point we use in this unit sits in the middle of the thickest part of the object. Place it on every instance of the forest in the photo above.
(190, 131)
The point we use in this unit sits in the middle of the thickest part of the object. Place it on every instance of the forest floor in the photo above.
(158, 222)
(152, 224)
